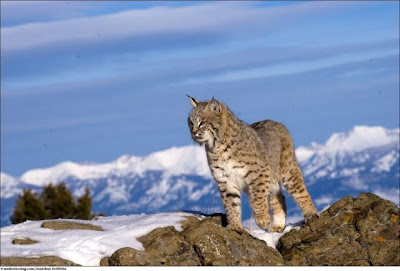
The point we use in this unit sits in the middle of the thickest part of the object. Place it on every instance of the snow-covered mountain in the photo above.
(376, 146)
(189, 160)
(363, 159)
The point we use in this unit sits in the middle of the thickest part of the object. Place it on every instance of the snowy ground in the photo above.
(87, 248)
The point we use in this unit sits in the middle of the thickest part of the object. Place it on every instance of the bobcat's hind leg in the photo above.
(278, 206)
(293, 182)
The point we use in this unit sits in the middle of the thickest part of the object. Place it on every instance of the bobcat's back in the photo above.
(278, 143)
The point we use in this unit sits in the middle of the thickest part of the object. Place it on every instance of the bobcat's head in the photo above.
(205, 120)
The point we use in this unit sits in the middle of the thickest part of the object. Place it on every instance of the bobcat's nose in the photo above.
(197, 135)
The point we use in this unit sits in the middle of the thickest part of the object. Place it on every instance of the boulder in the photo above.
(216, 245)
(129, 256)
(360, 231)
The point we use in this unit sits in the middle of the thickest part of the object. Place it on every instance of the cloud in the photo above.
(219, 18)
(275, 62)
(132, 23)
(65, 51)
(269, 62)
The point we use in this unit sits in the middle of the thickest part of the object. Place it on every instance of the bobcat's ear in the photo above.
(193, 101)
(214, 106)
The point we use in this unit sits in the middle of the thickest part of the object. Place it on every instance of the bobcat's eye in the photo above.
(190, 124)
(201, 124)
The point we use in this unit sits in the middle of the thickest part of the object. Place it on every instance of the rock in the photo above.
(361, 231)
(379, 229)
(131, 257)
(105, 261)
(40, 261)
(218, 246)
(210, 241)
(170, 247)
(24, 241)
(202, 242)
(65, 225)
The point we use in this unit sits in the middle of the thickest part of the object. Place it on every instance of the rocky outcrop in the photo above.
(202, 242)
(353, 231)
(360, 231)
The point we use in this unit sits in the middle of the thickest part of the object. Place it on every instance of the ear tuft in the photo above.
(193, 101)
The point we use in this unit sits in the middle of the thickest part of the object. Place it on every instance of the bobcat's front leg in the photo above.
(258, 200)
(232, 203)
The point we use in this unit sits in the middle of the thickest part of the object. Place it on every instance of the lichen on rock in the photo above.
(201, 242)
(353, 231)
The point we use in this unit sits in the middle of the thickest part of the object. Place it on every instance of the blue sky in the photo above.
(90, 81)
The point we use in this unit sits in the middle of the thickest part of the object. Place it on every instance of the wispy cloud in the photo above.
(256, 63)
(73, 46)
(300, 61)
(222, 18)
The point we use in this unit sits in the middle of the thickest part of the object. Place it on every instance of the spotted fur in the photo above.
(255, 159)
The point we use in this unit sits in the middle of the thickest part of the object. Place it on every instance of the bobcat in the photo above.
(255, 159)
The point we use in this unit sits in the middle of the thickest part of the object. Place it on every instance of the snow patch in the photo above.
(351, 171)
(323, 200)
(386, 162)
(355, 183)
(361, 138)
(304, 153)
(271, 238)
(86, 247)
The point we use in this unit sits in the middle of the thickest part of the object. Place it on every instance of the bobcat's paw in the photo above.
(275, 228)
(263, 222)
(237, 228)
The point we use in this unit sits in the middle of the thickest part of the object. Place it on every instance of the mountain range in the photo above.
(364, 159)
